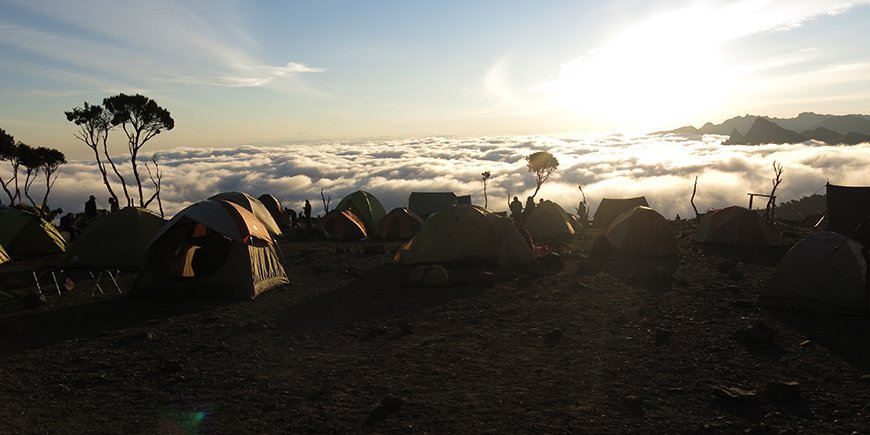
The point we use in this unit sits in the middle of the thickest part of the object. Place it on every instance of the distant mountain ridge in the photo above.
(754, 130)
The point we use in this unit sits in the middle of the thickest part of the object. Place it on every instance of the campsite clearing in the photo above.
(351, 346)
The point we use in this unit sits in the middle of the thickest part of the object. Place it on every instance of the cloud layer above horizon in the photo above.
(662, 168)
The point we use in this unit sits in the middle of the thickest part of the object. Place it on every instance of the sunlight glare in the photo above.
(666, 69)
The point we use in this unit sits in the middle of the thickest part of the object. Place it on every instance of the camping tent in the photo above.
(466, 232)
(399, 223)
(25, 234)
(642, 231)
(343, 225)
(254, 206)
(118, 239)
(849, 211)
(365, 206)
(735, 226)
(548, 221)
(4, 256)
(275, 208)
(426, 203)
(824, 270)
(610, 208)
(212, 248)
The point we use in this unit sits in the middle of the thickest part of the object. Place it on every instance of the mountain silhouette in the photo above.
(753, 129)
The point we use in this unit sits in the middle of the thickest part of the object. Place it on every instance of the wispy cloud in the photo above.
(147, 43)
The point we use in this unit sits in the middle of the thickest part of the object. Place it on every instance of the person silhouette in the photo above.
(113, 204)
(91, 207)
(516, 208)
(307, 210)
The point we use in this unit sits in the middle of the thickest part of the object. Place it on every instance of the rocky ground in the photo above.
(351, 345)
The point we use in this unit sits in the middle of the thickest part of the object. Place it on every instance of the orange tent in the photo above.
(642, 231)
(735, 226)
(343, 225)
(399, 223)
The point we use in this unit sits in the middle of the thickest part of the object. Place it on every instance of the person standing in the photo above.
(113, 204)
(91, 207)
(307, 211)
(516, 208)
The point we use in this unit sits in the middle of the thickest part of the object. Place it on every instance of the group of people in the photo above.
(520, 214)
(72, 224)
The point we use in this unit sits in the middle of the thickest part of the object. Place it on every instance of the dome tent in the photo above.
(212, 248)
(118, 239)
(609, 209)
(736, 226)
(548, 221)
(275, 208)
(642, 231)
(24, 234)
(366, 207)
(343, 225)
(399, 223)
(822, 272)
(467, 232)
(254, 206)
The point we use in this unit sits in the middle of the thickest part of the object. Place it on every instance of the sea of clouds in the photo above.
(661, 167)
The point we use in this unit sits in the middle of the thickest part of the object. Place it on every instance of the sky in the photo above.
(265, 73)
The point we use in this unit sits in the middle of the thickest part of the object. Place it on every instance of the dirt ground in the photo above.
(598, 346)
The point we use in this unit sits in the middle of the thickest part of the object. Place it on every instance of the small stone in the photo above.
(392, 402)
(783, 390)
(633, 402)
(758, 333)
(663, 336)
(734, 394)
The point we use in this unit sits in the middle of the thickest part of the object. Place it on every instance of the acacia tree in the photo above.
(31, 161)
(485, 177)
(141, 118)
(9, 153)
(52, 159)
(94, 126)
(542, 164)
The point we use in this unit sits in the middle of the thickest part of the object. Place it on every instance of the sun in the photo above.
(663, 71)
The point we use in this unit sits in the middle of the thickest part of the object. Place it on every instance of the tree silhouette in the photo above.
(9, 153)
(485, 177)
(52, 159)
(32, 161)
(542, 164)
(94, 126)
(141, 118)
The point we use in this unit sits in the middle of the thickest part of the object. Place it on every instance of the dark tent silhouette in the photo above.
(849, 211)
(399, 223)
(275, 209)
(735, 226)
(825, 271)
(118, 239)
(24, 234)
(343, 225)
(610, 208)
(365, 206)
(642, 231)
(426, 203)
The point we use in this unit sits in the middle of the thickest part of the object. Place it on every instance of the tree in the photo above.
(94, 126)
(9, 153)
(485, 177)
(141, 118)
(31, 160)
(771, 199)
(52, 159)
(542, 164)
(156, 179)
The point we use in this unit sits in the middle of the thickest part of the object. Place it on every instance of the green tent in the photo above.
(118, 239)
(25, 234)
(366, 206)
(548, 221)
